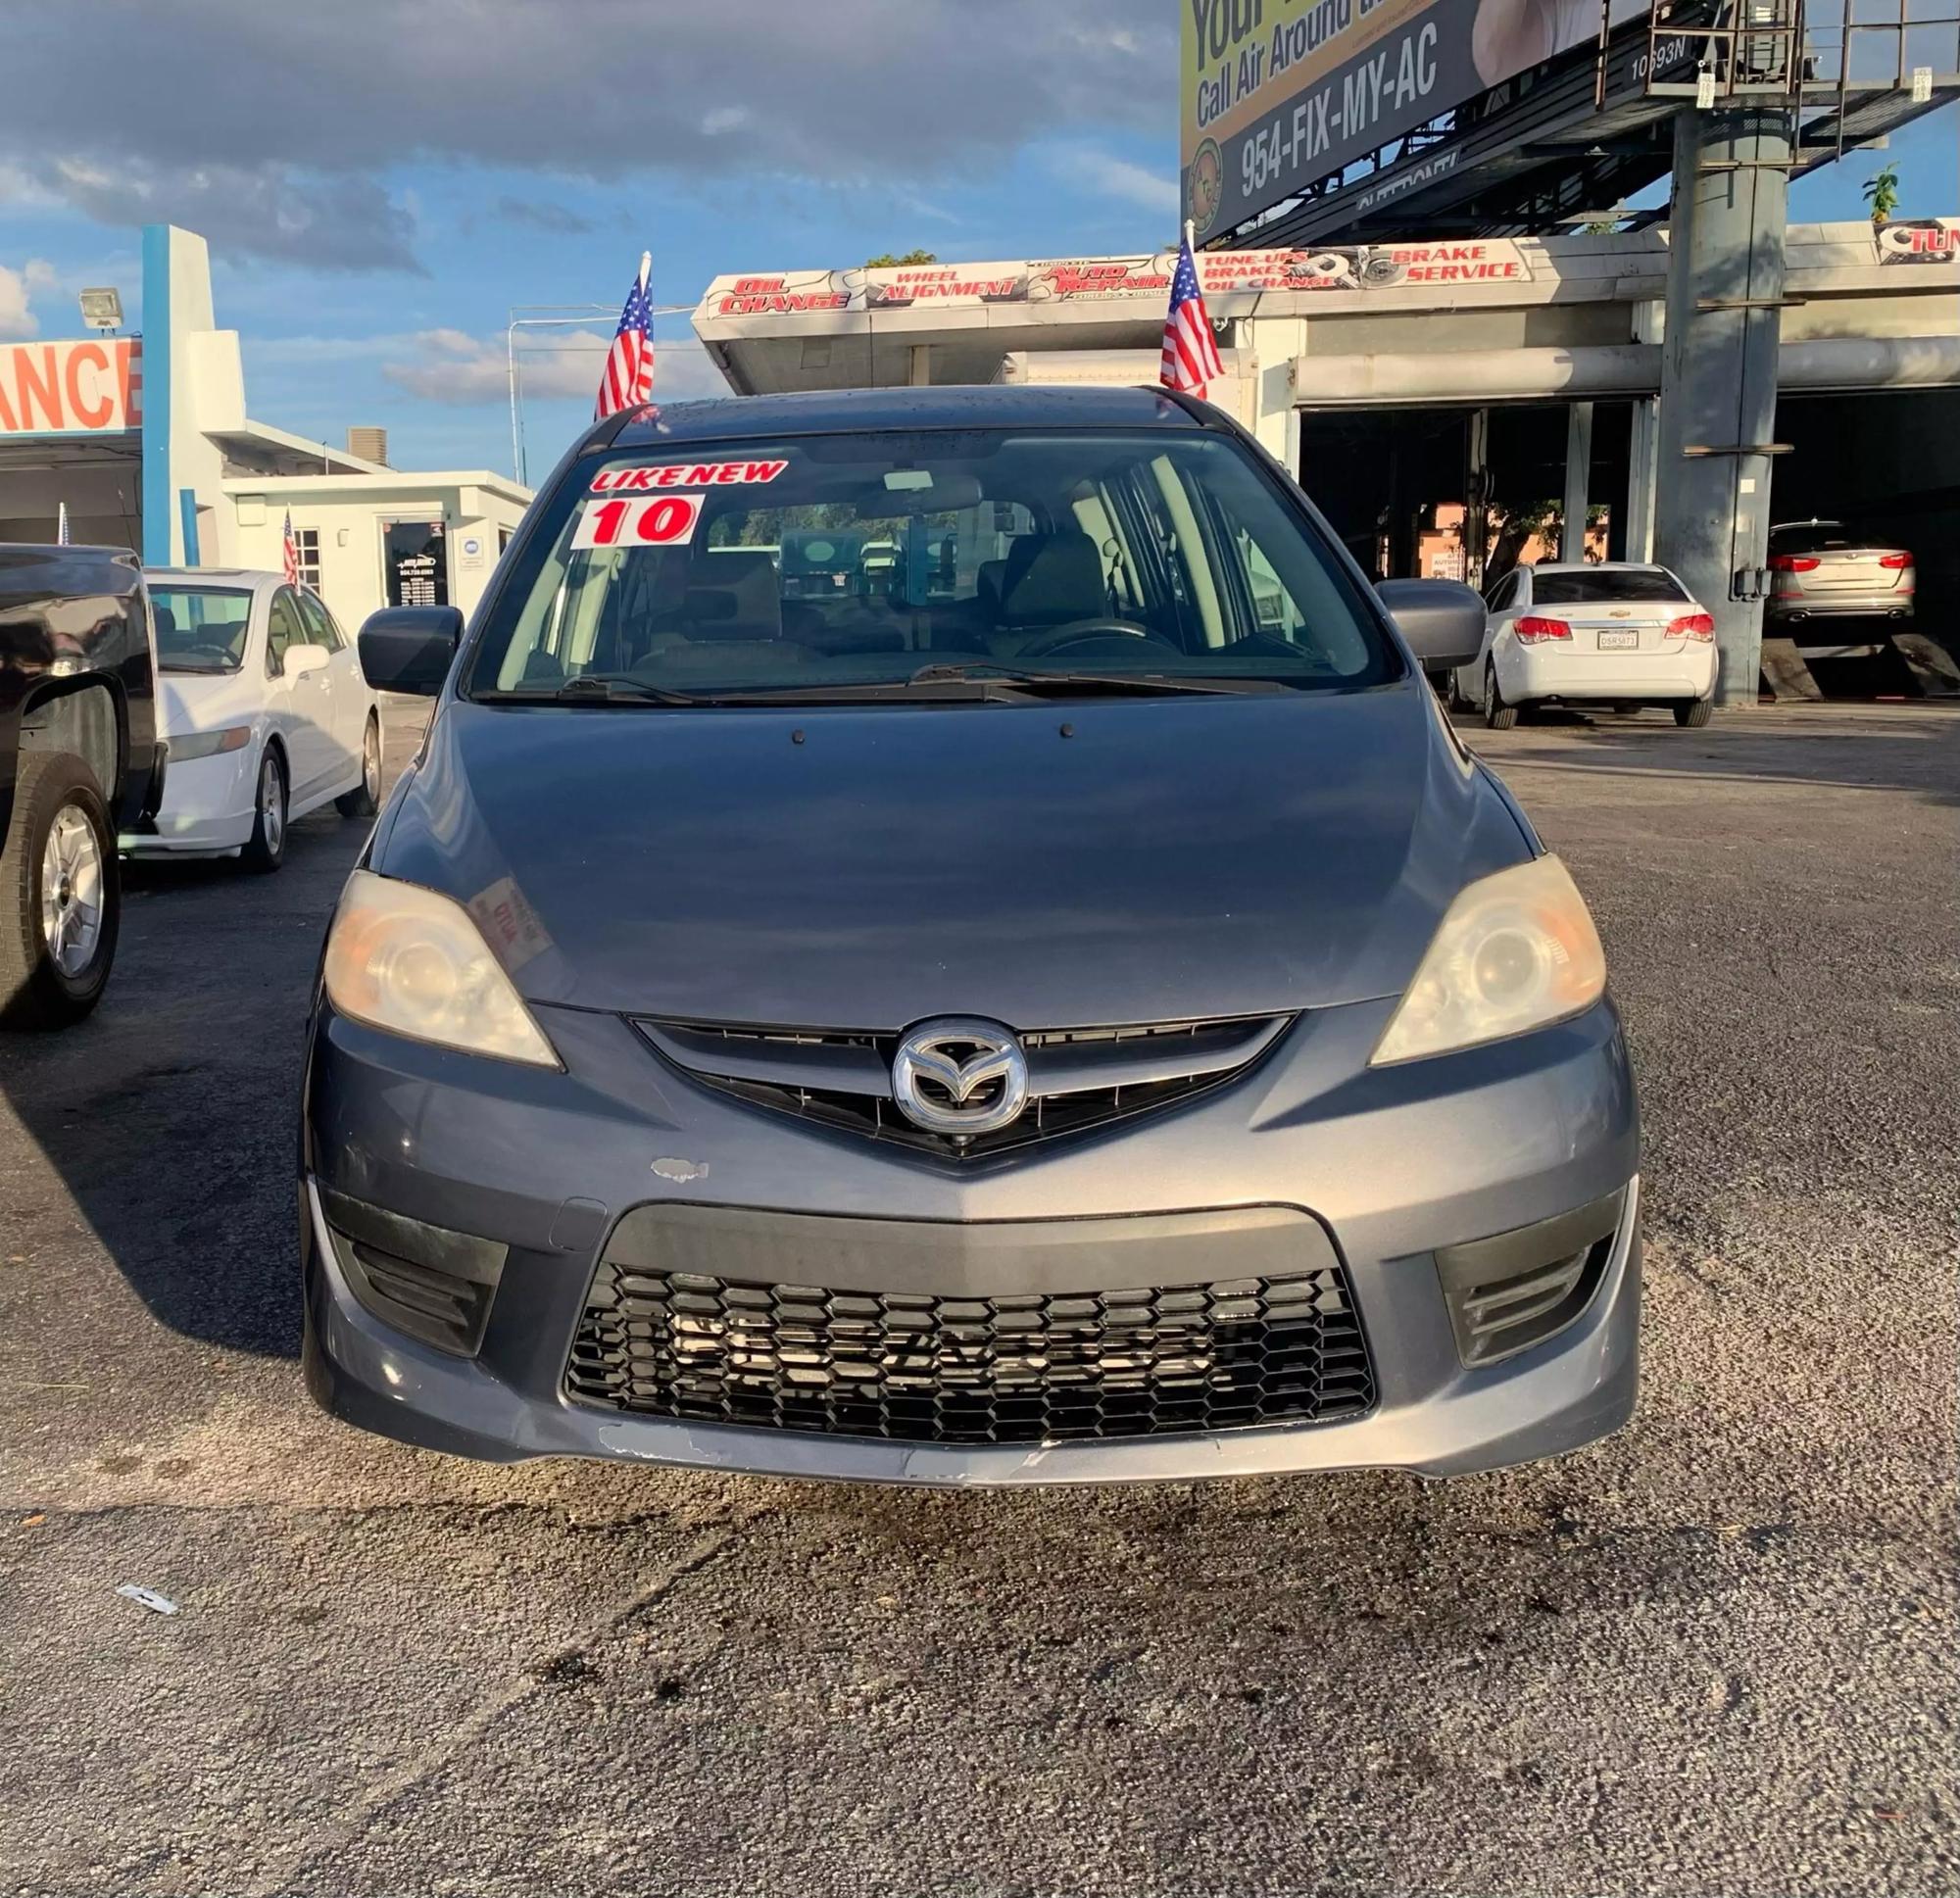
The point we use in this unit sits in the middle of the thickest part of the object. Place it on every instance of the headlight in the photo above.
(403, 959)
(1515, 951)
(233, 737)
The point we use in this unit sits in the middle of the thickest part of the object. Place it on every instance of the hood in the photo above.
(1170, 859)
(203, 701)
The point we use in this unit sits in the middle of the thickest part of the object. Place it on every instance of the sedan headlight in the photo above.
(1515, 951)
(403, 959)
(233, 737)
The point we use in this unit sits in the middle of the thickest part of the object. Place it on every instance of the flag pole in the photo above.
(1191, 236)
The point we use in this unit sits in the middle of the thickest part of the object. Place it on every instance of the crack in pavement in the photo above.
(344, 1826)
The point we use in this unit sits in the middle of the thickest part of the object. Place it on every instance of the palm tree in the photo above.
(1881, 193)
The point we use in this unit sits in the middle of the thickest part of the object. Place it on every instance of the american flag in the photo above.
(628, 380)
(1190, 355)
(292, 551)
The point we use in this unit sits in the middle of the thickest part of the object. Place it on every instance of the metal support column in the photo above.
(1477, 497)
(1718, 399)
(1578, 481)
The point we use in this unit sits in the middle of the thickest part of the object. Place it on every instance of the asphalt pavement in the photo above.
(1715, 1654)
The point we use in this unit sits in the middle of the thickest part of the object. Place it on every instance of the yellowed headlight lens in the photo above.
(404, 959)
(1515, 951)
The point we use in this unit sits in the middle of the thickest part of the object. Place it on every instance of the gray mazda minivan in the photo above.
(942, 936)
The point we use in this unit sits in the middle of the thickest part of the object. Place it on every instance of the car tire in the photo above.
(56, 945)
(1499, 715)
(1693, 712)
(365, 799)
(266, 849)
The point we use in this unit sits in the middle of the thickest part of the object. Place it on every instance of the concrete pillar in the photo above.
(1719, 371)
(1642, 464)
(1578, 481)
(921, 366)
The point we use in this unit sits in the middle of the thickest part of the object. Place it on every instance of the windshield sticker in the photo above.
(686, 474)
(666, 521)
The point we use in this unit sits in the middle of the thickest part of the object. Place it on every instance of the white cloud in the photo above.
(1119, 177)
(181, 120)
(450, 366)
(18, 289)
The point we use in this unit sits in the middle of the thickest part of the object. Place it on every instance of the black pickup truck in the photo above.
(80, 763)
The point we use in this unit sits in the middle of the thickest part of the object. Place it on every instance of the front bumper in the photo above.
(1392, 1164)
(207, 810)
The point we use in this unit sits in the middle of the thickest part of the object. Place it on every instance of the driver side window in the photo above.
(282, 629)
(320, 627)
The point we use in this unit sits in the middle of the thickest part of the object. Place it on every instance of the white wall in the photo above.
(351, 578)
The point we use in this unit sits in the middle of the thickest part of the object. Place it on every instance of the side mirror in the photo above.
(1441, 621)
(300, 658)
(409, 649)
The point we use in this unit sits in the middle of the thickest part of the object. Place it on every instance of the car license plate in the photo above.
(1619, 641)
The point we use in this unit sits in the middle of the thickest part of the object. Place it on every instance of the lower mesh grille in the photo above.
(1026, 1369)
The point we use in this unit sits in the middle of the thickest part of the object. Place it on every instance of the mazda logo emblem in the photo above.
(960, 1076)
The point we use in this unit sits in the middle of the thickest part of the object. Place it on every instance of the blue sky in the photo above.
(381, 184)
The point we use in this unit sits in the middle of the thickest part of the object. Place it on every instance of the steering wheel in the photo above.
(1079, 632)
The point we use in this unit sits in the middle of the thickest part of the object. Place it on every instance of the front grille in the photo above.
(1079, 1079)
(917, 1368)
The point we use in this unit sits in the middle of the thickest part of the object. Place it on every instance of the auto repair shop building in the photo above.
(145, 440)
(1401, 379)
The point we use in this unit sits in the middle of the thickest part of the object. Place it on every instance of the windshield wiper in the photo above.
(595, 688)
(954, 672)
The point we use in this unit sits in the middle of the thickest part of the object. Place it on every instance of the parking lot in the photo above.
(1714, 1653)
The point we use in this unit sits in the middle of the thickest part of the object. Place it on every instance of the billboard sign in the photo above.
(1277, 94)
(1233, 281)
(82, 388)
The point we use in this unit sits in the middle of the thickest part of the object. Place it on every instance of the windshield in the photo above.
(200, 629)
(891, 562)
(1601, 585)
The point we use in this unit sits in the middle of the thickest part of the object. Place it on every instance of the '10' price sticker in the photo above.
(658, 521)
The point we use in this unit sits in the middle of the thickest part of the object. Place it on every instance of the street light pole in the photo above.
(584, 312)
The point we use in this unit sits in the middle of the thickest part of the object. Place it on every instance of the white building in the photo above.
(146, 441)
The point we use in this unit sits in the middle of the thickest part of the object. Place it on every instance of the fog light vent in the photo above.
(426, 1280)
(1517, 1288)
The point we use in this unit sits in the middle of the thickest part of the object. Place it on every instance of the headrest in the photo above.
(166, 622)
(733, 594)
(1052, 578)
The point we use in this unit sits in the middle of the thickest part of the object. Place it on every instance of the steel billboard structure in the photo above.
(1574, 133)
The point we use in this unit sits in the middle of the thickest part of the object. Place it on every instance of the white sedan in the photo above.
(1616, 633)
(267, 715)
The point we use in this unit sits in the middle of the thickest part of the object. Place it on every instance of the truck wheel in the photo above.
(1692, 711)
(366, 800)
(267, 849)
(61, 898)
(1500, 717)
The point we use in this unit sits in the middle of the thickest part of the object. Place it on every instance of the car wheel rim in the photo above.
(271, 816)
(72, 891)
(370, 762)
